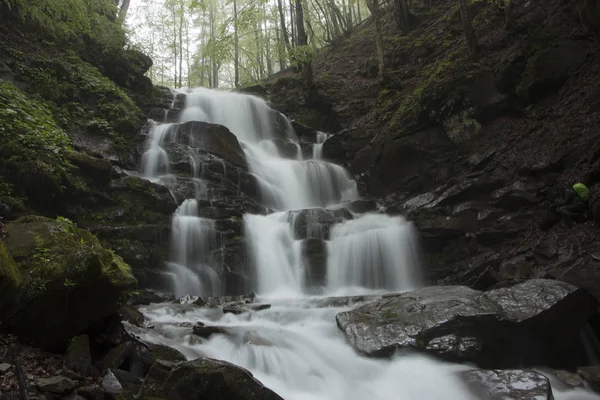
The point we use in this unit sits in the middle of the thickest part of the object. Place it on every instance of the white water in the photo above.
(294, 347)
(317, 153)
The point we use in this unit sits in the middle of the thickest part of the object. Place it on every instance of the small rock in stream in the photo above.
(207, 331)
(240, 309)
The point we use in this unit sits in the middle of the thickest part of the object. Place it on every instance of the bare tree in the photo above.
(376, 12)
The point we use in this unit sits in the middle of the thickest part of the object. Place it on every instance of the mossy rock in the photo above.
(10, 280)
(206, 378)
(70, 282)
(33, 145)
(78, 357)
(548, 70)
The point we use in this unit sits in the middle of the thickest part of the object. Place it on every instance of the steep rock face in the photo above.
(499, 328)
(69, 280)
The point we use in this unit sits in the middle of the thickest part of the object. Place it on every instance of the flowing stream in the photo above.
(294, 347)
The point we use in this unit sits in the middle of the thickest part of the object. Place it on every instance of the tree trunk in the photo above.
(215, 67)
(122, 12)
(293, 30)
(236, 50)
(358, 9)
(258, 54)
(374, 8)
(267, 41)
(468, 28)
(302, 39)
(402, 20)
(280, 51)
(286, 38)
(181, 19)
(187, 54)
(174, 45)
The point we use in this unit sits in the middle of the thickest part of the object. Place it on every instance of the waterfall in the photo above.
(317, 150)
(193, 238)
(308, 247)
(372, 251)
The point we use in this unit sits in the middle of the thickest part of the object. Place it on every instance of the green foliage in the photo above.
(31, 140)
(65, 20)
(301, 55)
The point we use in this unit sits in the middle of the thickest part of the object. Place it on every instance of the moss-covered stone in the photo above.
(69, 280)
(78, 357)
(132, 315)
(214, 379)
(33, 145)
(10, 280)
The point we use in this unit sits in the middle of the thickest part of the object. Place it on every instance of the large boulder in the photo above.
(548, 70)
(532, 323)
(206, 378)
(70, 282)
(214, 139)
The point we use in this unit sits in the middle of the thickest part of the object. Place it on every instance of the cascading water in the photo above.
(317, 153)
(294, 347)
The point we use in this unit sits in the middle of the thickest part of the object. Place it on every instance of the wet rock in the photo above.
(438, 230)
(570, 379)
(286, 148)
(213, 379)
(590, 374)
(314, 255)
(93, 392)
(111, 384)
(549, 69)
(128, 381)
(344, 301)
(508, 384)
(116, 357)
(240, 309)
(207, 331)
(78, 357)
(471, 188)
(362, 206)
(316, 222)
(98, 169)
(214, 139)
(214, 302)
(532, 323)
(516, 196)
(156, 378)
(56, 384)
(149, 195)
(159, 352)
(148, 296)
(4, 367)
(74, 285)
(132, 316)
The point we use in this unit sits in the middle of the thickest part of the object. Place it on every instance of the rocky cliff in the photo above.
(473, 150)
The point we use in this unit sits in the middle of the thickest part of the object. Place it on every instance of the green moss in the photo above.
(160, 352)
(68, 278)
(32, 142)
(10, 279)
